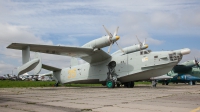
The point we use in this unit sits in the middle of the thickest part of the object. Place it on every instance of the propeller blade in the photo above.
(110, 47)
(139, 42)
(116, 31)
(196, 62)
(119, 47)
(110, 35)
(144, 41)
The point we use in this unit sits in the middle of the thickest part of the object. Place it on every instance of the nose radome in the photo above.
(185, 51)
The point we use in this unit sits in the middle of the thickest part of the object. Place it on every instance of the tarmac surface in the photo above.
(172, 98)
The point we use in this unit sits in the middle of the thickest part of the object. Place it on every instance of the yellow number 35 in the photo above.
(71, 73)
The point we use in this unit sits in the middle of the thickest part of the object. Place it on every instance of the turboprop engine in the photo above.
(101, 42)
(104, 41)
(134, 48)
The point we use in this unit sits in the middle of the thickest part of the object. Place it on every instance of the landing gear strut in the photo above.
(192, 83)
(154, 83)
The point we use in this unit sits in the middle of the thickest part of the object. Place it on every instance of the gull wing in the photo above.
(87, 54)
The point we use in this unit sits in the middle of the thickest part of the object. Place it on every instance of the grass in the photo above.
(10, 84)
(143, 83)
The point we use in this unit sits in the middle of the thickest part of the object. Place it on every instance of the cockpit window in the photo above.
(144, 52)
(141, 52)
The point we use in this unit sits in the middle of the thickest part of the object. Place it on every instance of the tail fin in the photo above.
(28, 64)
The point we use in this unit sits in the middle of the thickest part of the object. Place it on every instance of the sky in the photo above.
(167, 25)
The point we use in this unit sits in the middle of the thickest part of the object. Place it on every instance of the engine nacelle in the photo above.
(131, 49)
(101, 42)
(134, 48)
(184, 67)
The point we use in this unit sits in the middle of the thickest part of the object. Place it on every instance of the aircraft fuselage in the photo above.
(129, 67)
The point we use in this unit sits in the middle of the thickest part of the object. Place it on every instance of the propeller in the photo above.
(140, 43)
(113, 38)
(196, 62)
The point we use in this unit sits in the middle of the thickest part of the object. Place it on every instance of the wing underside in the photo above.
(87, 54)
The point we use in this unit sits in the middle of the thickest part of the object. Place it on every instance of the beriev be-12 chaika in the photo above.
(123, 67)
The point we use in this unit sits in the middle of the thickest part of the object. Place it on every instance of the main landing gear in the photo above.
(111, 80)
(192, 83)
(154, 83)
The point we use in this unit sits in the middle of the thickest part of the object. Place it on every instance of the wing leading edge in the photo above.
(87, 54)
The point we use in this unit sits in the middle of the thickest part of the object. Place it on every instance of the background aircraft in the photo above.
(191, 80)
(190, 68)
(124, 66)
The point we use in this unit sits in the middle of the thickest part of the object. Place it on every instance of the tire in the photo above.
(125, 85)
(130, 84)
(56, 85)
(110, 84)
(118, 85)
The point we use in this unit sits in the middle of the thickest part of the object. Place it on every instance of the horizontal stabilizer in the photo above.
(28, 66)
(47, 67)
(46, 74)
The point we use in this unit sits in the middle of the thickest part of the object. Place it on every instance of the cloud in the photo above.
(6, 68)
(132, 25)
(20, 34)
(164, 20)
(76, 23)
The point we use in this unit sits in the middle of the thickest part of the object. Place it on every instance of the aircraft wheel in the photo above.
(110, 84)
(193, 82)
(118, 85)
(130, 84)
(56, 84)
(167, 83)
(126, 84)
